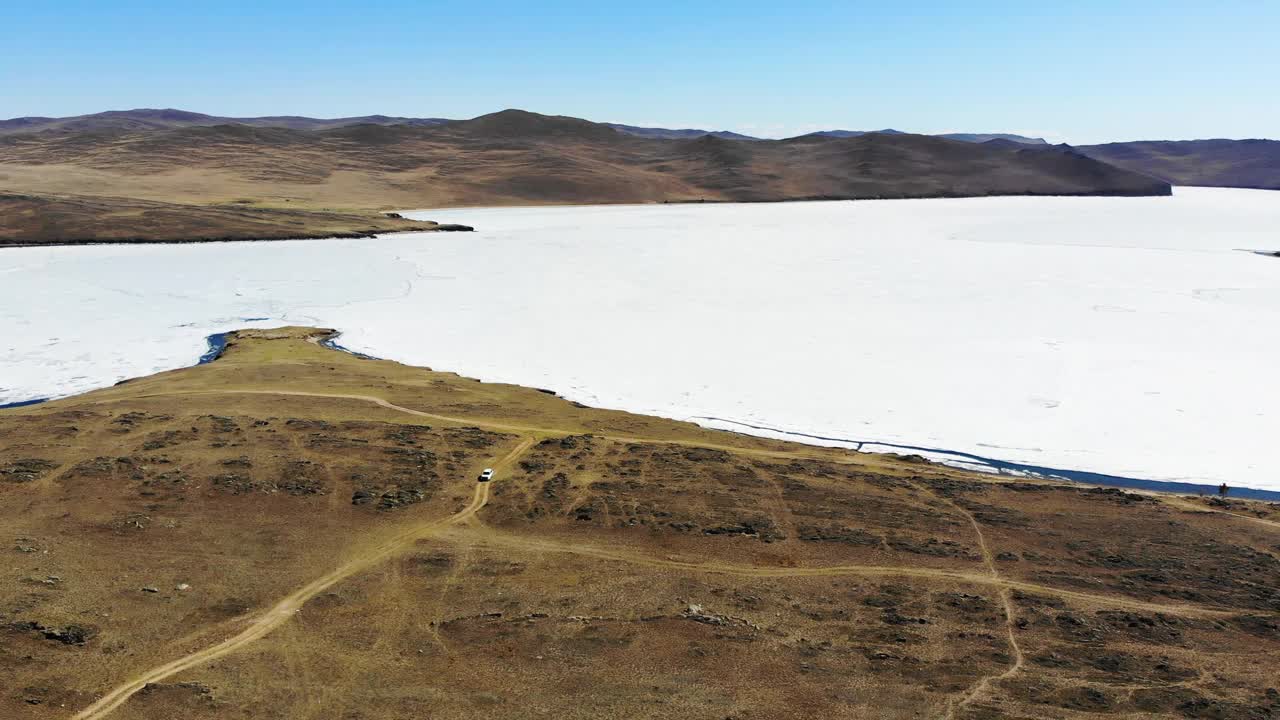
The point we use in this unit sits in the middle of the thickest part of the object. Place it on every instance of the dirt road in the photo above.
(501, 427)
(260, 625)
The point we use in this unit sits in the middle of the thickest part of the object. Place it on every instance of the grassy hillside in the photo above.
(520, 158)
(294, 532)
(63, 219)
(167, 119)
(1213, 163)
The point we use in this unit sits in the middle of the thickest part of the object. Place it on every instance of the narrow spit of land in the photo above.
(300, 509)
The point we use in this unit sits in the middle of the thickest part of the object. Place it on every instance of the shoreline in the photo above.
(456, 227)
(813, 199)
(217, 344)
(1007, 468)
(354, 235)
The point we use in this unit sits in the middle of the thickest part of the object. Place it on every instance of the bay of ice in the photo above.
(1129, 336)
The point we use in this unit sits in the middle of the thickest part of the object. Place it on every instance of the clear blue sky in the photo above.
(1082, 71)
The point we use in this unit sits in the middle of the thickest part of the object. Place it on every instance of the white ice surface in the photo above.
(1119, 335)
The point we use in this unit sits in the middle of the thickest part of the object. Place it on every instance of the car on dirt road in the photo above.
(487, 475)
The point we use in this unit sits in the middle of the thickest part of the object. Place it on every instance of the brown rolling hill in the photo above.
(168, 119)
(294, 532)
(1211, 163)
(150, 119)
(520, 158)
(77, 219)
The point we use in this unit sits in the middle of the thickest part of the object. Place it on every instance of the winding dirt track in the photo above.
(992, 577)
(487, 425)
(1006, 600)
(1194, 507)
(496, 539)
(262, 624)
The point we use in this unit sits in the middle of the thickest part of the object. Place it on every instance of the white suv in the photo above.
(487, 475)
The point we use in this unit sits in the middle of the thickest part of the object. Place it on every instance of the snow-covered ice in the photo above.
(1129, 336)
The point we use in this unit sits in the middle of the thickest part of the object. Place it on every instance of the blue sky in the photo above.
(1083, 71)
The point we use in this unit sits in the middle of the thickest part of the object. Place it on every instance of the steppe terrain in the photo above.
(1210, 163)
(108, 176)
(332, 178)
(294, 532)
(77, 219)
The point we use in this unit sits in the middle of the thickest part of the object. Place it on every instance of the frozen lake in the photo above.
(1128, 336)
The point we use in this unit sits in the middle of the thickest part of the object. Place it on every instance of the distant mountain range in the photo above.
(727, 135)
(962, 137)
(1212, 163)
(521, 157)
(686, 134)
(132, 172)
(1223, 163)
(149, 119)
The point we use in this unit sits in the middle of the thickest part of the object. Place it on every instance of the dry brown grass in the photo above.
(828, 583)
(517, 158)
(76, 219)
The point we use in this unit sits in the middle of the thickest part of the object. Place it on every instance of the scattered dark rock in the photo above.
(69, 635)
(400, 497)
(472, 437)
(1085, 698)
(199, 690)
(1119, 496)
(1163, 700)
(237, 483)
(25, 470)
(297, 480)
(932, 547)
(130, 522)
(96, 467)
(759, 528)
(130, 420)
(221, 424)
(1211, 709)
(533, 467)
(914, 459)
(840, 534)
(891, 616)
(433, 562)
(1258, 625)
(697, 454)
(301, 424)
(965, 602)
(1052, 660)
(553, 489)
(1157, 628)
(408, 434)
(697, 614)
(1079, 629)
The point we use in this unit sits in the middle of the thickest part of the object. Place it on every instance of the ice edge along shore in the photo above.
(217, 343)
